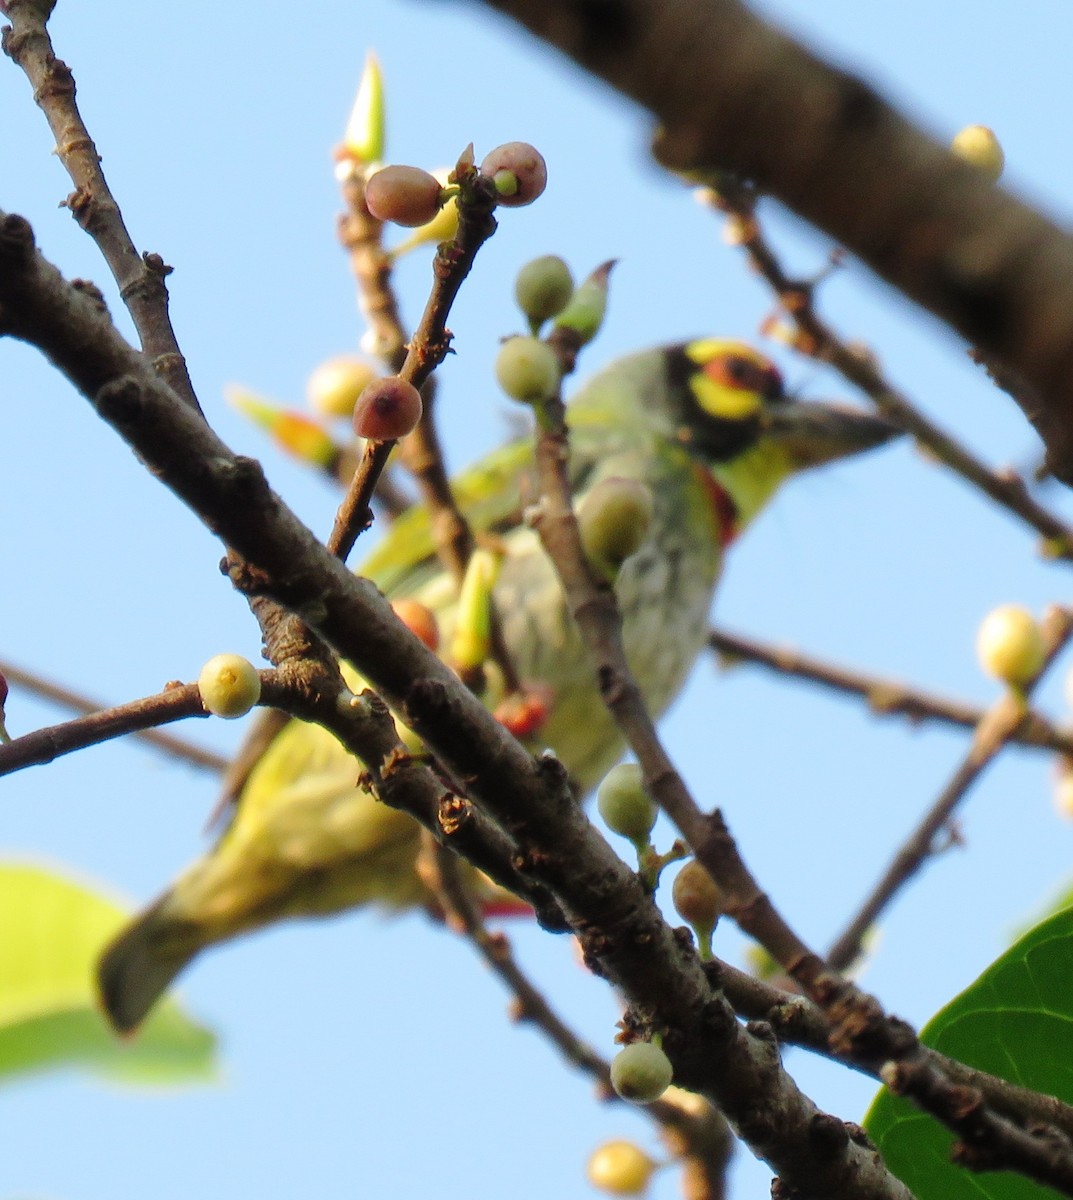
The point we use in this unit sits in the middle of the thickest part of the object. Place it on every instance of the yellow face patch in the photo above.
(733, 379)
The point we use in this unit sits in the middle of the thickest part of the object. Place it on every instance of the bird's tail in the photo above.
(136, 968)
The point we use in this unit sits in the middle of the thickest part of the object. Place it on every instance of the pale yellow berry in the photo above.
(621, 1168)
(613, 521)
(625, 805)
(333, 388)
(641, 1072)
(1009, 644)
(543, 288)
(979, 147)
(229, 685)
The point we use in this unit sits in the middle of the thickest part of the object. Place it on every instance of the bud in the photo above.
(363, 138)
(979, 147)
(291, 431)
(527, 370)
(613, 520)
(470, 642)
(585, 313)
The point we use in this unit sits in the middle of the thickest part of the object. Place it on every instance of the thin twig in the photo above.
(52, 739)
(995, 730)
(140, 277)
(818, 340)
(885, 697)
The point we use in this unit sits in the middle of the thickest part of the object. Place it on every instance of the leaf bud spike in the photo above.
(470, 642)
(229, 685)
(442, 228)
(294, 432)
(585, 313)
(979, 147)
(363, 138)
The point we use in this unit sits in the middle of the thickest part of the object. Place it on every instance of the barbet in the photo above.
(707, 427)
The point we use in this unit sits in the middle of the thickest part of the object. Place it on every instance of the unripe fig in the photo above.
(1009, 645)
(699, 901)
(621, 1168)
(641, 1072)
(543, 288)
(613, 520)
(518, 171)
(334, 386)
(625, 805)
(229, 685)
(979, 147)
(387, 409)
(419, 620)
(527, 369)
(404, 195)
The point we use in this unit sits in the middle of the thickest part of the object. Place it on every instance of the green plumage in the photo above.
(304, 839)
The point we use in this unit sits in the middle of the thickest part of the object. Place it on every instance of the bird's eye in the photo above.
(740, 371)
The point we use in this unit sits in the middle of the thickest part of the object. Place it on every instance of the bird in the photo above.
(709, 430)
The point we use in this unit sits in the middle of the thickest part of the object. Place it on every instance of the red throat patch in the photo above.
(724, 509)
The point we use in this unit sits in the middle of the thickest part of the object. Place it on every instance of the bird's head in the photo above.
(729, 408)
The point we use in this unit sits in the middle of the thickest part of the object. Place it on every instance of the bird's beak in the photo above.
(813, 433)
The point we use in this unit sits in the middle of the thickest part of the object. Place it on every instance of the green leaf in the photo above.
(1015, 1021)
(52, 931)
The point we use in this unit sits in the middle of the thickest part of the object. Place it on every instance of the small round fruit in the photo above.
(229, 685)
(387, 409)
(621, 1168)
(404, 195)
(613, 521)
(543, 287)
(625, 805)
(527, 369)
(419, 620)
(333, 387)
(518, 171)
(1009, 644)
(641, 1072)
(979, 147)
(698, 899)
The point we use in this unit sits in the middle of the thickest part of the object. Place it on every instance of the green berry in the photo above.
(641, 1072)
(229, 685)
(613, 520)
(387, 409)
(518, 171)
(543, 288)
(621, 1168)
(625, 805)
(1009, 645)
(334, 386)
(979, 147)
(404, 195)
(527, 369)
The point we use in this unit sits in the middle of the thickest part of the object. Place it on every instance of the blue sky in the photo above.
(362, 1054)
